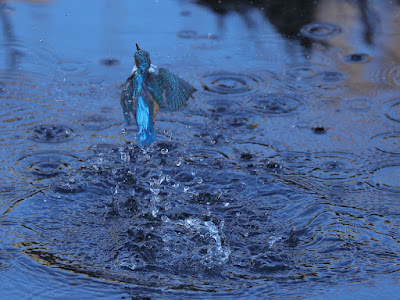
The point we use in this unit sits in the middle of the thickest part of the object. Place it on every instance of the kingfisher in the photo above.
(144, 92)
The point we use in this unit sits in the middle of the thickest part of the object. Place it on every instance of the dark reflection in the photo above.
(8, 33)
(369, 19)
(288, 17)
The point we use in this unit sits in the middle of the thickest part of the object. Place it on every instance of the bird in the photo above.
(144, 92)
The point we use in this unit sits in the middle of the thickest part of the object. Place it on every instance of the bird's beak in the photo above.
(137, 47)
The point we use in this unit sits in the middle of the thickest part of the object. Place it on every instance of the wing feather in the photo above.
(127, 100)
(177, 91)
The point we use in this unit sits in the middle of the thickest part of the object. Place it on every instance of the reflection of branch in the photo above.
(286, 16)
(9, 34)
(369, 19)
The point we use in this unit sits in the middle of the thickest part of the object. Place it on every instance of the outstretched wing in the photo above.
(177, 91)
(127, 100)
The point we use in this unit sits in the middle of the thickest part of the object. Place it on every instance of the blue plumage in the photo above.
(144, 92)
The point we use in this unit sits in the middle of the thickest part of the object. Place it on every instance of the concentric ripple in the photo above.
(358, 104)
(95, 122)
(239, 121)
(45, 164)
(51, 133)
(320, 31)
(325, 165)
(393, 110)
(222, 106)
(230, 84)
(24, 99)
(72, 67)
(276, 104)
(386, 176)
(302, 71)
(332, 76)
(388, 75)
(388, 142)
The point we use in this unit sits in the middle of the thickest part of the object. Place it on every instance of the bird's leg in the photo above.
(155, 111)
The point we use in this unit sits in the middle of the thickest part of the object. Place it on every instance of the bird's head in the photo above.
(142, 59)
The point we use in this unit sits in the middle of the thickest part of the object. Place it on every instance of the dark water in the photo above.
(279, 180)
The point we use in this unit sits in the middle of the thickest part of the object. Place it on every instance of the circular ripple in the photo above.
(388, 75)
(320, 31)
(71, 67)
(95, 122)
(393, 110)
(187, 34)
(44, 164)
(51, 133)
(387, 142)
(325, 165)
(358, 104)
(332, 76)
(230, 84)
(275, 104)
(386, 177)
(109, 62)
(357, 58)
(299, 72)
(221, 106)
(24, 100)
(239, 120)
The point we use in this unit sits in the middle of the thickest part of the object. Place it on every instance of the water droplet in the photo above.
(320, 31)
(125, 157)
(199, 180)
(164, 151)
(185, 189)
(209, 35)
(168, 206)
(155, 191)
(165, 219)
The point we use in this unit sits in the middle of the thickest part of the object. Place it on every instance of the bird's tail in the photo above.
(144, 116)
(146, 136)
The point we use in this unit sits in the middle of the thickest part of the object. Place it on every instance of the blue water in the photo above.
(280, 179)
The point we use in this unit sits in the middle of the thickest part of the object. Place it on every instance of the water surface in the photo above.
(279, 180)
